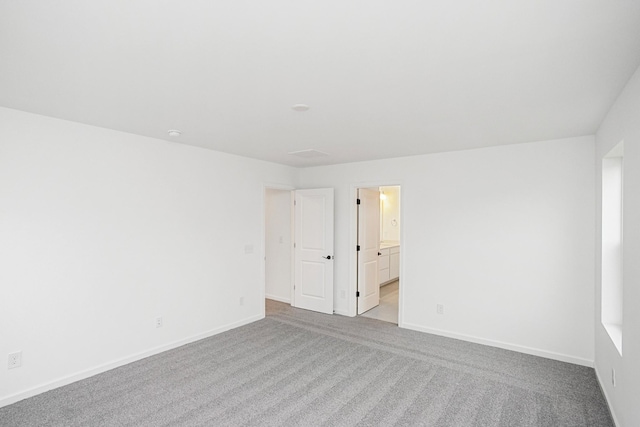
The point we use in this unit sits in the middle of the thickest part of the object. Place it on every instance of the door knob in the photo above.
(327, 257)
(379, 253)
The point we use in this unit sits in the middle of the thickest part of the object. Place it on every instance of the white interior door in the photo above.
(369, 247)
(313, 284)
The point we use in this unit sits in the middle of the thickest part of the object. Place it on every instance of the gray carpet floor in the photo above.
(299, 368)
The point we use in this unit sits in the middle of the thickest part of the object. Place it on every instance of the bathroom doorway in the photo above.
(382, 301)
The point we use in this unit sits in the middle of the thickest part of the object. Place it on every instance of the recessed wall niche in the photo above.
(612, 244)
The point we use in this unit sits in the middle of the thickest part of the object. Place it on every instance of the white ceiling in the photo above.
(383, 78)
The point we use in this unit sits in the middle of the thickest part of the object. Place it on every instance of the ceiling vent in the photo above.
(308, 154)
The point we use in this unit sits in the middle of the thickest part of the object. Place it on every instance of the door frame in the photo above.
(263, 262)
(352, 301)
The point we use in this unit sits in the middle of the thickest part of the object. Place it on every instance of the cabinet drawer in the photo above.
(394, 250)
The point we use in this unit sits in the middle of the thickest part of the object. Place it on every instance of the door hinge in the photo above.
(294, 245)
(357, 294)
(357, 201)
(358, 248)
(295, 202)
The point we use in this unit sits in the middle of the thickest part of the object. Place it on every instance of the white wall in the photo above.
(390, 213)
(102, 231)
(278, 248)
(622, 124)
(502, 236)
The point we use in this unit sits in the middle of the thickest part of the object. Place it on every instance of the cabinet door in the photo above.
(394, 266)
(383, 266)
(383, 275)
(383, 259)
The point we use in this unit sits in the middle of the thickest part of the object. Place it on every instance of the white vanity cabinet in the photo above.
(383, 266)
(388, 263)
(394, 262)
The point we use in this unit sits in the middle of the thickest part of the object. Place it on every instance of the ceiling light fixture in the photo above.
(174, 132)
(300, 107)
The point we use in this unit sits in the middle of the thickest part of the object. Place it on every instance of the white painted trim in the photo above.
(514, 347)
(606, 397)
(276, 298)
(120, 362)
(344, 313)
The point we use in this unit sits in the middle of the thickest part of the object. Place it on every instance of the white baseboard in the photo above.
(606, 397)
(343, 313)
(277, 298)
(507, 346)
(8, 400)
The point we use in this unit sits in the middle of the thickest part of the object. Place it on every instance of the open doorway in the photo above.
(278, 238)
(298, 247)
(379, 276)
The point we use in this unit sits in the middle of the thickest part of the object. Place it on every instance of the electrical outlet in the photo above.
(248, 249)
(440, 308)
(241, 300)
(613, 377)
(159, 322)
(15, 360)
